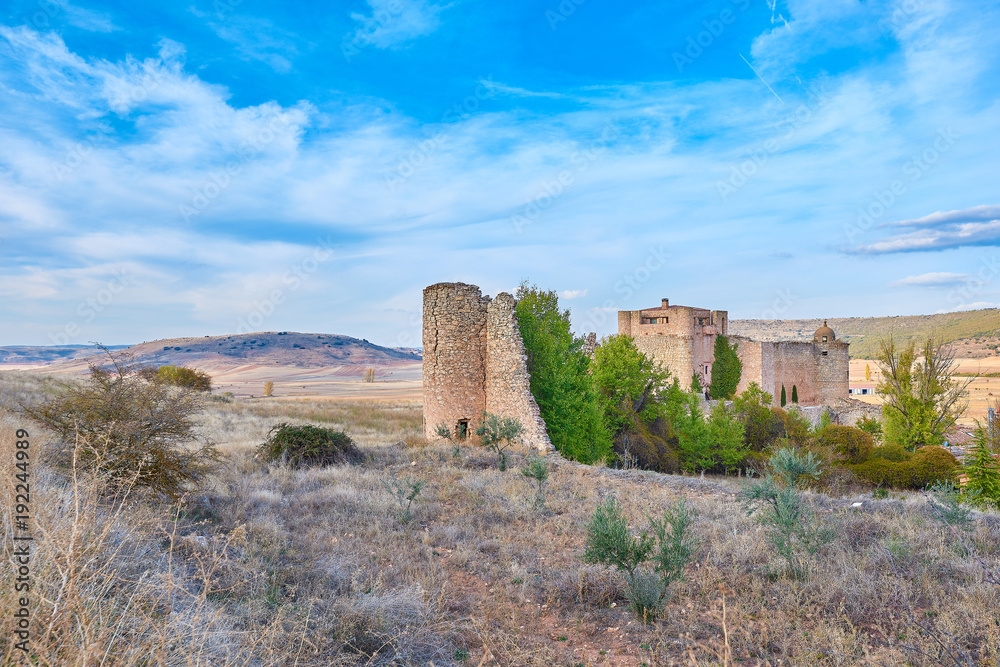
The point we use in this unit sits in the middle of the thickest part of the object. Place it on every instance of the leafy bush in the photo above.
(851, 443)
(498, 433)
(871, 426)
(182, 376)
(671, 547)
(649, 446)
(797, 426)
(307, 445)
(915, 470)
(127, 429)
(762, 425)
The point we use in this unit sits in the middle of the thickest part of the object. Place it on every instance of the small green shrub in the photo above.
(797, 427)
(851, 443)
(538, 470)
(404, 492)
(299, 446)
(892, 452)
(498, 433)
(795, 532)
(610, 542)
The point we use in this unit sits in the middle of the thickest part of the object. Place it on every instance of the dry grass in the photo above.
(271, 566)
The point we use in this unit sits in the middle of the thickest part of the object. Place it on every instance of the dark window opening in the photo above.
(462, 430)
(824, 339)
(824, 353)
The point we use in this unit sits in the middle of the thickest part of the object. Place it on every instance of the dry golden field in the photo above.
(264, 565)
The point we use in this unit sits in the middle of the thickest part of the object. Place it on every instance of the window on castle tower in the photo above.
(824, 353)
(824, 339)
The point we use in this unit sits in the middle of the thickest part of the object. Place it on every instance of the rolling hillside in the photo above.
(265, 349)
(977, 331)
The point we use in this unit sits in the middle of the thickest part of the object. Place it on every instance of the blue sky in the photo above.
(172, 169)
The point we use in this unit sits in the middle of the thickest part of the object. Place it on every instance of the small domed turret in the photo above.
(824, 334)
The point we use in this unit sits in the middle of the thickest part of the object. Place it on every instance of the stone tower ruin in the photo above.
(474, 361)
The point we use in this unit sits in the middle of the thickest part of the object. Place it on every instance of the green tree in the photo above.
(784, 400)
(761, 425)
(629, 382)
(726, 369)
(696, 387)
(567, 399)
(922, 399)
(982, 470)
(795, 394)
(182, 376)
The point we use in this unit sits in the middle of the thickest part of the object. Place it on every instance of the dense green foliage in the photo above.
(726, 369)
(568, 402)
(894, 467)
(307, 445)
(922, 399)
(628, 382)
(127, 429)
(762, 425)
(872, 427)
(853, 444)
(784, 397)
(182, 376)
(795, 394)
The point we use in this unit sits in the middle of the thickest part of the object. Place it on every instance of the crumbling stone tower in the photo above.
(474, 360)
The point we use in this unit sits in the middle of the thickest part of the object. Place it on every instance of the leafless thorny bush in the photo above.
(267, 565)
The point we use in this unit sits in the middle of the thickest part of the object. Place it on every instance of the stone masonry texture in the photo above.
(474, 360)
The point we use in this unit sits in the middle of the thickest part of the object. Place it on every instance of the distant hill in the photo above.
(44, 354)
(283, 348)
(977, 332)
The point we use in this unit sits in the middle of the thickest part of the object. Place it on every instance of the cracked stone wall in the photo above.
(508, 390)
(474, 360)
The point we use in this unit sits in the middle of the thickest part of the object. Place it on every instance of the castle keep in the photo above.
(682, 338)
(474, 360)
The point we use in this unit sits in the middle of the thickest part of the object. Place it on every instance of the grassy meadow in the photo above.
(263, 565)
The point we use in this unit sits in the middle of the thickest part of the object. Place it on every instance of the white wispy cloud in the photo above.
(976, 226)
(392, 23)
(259, 39)
(939, 279)
(573, 293)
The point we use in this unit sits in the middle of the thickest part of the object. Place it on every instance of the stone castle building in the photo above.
(474, 360)
(682, 338)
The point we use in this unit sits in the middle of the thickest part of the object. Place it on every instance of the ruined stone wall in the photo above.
(795, 365)
(508, 391)
(454, 364)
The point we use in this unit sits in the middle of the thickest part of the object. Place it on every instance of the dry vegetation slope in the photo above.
(268, 566)
(303, 350)
(863, 332)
